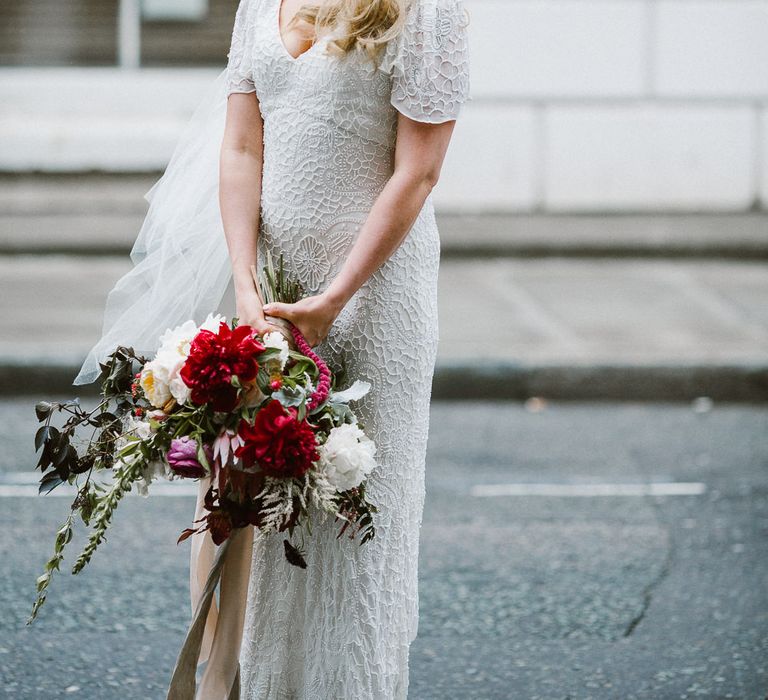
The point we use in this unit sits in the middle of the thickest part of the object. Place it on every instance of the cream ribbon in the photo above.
(216, 631)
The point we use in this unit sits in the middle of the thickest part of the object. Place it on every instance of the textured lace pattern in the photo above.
(341, 628)
(430, 62)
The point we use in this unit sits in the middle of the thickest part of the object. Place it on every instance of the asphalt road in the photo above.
(523, 597)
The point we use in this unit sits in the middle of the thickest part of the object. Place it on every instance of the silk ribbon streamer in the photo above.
(216, 631)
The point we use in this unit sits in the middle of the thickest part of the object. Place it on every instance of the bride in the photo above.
(335, 120)
(332, 159)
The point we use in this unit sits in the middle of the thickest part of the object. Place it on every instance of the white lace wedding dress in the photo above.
(341, 629)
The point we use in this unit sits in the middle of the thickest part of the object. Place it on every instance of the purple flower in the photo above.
(182, 457)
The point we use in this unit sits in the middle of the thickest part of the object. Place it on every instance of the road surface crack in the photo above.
(666, 567)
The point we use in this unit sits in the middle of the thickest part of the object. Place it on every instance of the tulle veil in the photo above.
(180, 261)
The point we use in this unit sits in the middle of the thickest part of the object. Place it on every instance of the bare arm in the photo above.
(419, 153)
(240, 199)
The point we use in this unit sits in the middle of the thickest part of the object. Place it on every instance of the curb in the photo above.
(612, 382)
(596, 251)
(462, 251)
(460, 381)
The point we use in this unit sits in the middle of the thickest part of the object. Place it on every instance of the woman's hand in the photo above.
(250, 313)
(313, 316)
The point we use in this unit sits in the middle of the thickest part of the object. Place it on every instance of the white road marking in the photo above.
(25, 485)
(671, 488)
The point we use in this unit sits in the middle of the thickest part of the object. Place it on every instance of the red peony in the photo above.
(277, 442)
(214, 359)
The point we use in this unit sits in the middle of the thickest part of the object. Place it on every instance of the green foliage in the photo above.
(275, 285)
(60, 462)
(63, 537)
(105, 506)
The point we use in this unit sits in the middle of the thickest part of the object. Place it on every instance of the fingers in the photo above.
(304, 315)
(262, 328)
(255, 321)
(280, 310)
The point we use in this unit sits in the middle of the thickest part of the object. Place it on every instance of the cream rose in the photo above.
(155, 382)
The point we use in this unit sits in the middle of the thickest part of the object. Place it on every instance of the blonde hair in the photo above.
(365, 24)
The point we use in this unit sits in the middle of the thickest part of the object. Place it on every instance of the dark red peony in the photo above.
(277, 442)
(214, 358)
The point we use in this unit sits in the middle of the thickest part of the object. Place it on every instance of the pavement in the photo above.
(585, 595)
(100, 214)
(665, 307)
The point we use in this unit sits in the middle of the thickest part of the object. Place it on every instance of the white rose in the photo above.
(212, 323)
(176, 341)
(347, 456)
(275, 339)
(179, 390)
(173, 353)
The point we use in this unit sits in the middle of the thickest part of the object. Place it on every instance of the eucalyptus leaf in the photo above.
(341, 412)
(289, 397)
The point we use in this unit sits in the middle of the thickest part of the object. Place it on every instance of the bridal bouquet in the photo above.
(258, 415)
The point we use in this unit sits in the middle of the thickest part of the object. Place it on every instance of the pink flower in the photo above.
(224, 447)
(324, 384)
(182, 457)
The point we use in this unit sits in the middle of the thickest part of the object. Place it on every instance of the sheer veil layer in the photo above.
(180, 261)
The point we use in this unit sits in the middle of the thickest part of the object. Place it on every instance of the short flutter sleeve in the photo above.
(429, 61)
(240, 57)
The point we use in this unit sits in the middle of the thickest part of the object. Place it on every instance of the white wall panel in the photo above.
(523, 48)
(650, 157)
(491, 161)
(712, 48)
(762, 156)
